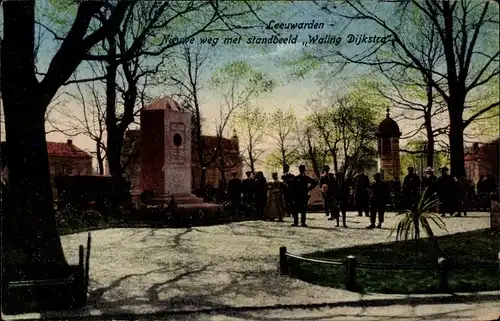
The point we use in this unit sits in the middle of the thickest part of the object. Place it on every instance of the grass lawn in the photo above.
(461, 248)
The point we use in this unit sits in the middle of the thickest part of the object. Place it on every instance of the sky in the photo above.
(290, 93)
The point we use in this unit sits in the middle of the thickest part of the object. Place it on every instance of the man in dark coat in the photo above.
(462, 204)
(343, 198)
(429, 184)
(302, 184)
(446, 192)
(491, 189)
(287, 178)
(234, 189)
(482, 193)
(334, 201)
(260, 193)
(411, 189)
(362, 193)
(325, 183)
(378, 201)
(248, 190)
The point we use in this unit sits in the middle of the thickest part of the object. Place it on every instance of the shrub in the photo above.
(146, 196)
(91, 192)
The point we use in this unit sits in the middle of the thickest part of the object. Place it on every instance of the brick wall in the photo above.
(390, 163)
(70, 166)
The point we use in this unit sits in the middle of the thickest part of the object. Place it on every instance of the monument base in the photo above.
(183, 201)
(179, 199)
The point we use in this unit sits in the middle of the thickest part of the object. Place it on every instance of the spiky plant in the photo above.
(414, 220)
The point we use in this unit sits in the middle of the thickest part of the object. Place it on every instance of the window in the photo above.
(386, 145)
(177, 140)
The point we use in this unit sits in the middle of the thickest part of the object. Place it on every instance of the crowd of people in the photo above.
(455, 194)
(275, 199)
(289, 194)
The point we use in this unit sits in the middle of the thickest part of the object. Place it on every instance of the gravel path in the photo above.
(142, 270)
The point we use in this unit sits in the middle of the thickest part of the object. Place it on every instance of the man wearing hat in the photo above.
(378, 200)
(362, 193)
(411, 189)
(329, 188)
(429, 183)
(287, 178)
(248, 190)
(446, 191)
(302, 184)
(234, 189)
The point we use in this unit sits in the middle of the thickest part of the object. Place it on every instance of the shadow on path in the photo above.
(247, 312)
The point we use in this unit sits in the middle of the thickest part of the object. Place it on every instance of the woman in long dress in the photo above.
(275, 207)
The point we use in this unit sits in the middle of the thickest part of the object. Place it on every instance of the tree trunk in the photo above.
(29, 226)
(457, 94)
(428, 123)
(456, 137)
(100, 159)
(312, 155)
(430, 141)
(30, 242)
(114, 143)
(251, 160)
(335, 163)
(283, 159)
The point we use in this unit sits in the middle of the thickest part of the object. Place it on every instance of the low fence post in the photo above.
(443, 274)
(283, 263)
(350, 283)
(87, 263)
(78, 290)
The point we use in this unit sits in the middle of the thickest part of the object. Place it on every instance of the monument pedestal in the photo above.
(187, 202)
(165, 138)
(179, 199)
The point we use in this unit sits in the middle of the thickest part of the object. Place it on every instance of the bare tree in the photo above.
(412, 90)
(140, 49)
(251, 122)
(470, 56)
(29, 232)
(312, 148)
(88, 121)
(282, 127)
(346, 132)
(238, 84)
(187, 78)
(330, 134)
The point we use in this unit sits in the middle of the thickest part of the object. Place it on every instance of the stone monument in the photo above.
(165, 138)
(388, 135)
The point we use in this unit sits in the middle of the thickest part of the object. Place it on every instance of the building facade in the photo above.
(64, 159)
(230, 158)
(68, 159)
(227, 161)
(482, 160)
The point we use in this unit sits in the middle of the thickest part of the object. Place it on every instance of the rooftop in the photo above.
(388, 127)
(56, 149)
(164, 103)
